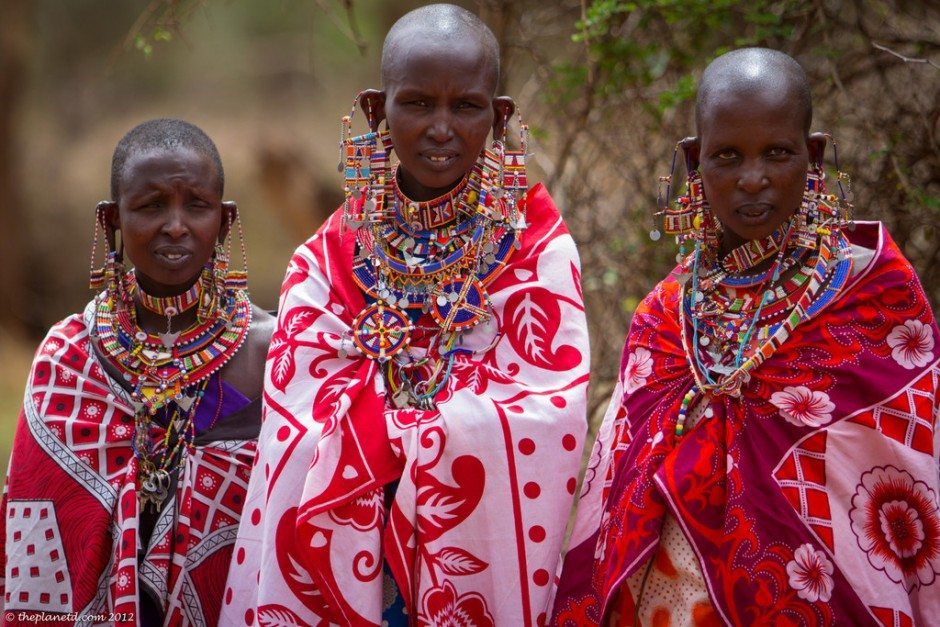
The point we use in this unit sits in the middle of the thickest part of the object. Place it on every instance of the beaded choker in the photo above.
(414, 216)
(165, 305)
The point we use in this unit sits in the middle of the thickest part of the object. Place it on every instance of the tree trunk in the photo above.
(15, 305)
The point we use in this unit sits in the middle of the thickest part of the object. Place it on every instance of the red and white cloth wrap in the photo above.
(486, 480)
(70, 507)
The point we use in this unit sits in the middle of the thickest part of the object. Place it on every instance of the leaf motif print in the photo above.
(534, 317)
(329, 397)
(299, 319)
(477, 376)
(282, 370)
(297, 272)
(576, 276)
(274, 615)
(453, 560)
(283, 344)
(441, 507)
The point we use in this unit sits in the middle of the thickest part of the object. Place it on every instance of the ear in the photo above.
(503, 108)
(372, 102)
(229, 215)
(816, 144)
(691, 147)
(107, 212)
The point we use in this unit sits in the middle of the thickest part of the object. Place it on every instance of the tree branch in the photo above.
(904, 58)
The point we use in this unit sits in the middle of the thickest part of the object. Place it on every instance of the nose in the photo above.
(753, 176)
(175, 224)
(441, 128)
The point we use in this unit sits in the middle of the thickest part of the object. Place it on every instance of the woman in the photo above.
(425, 395)
(769, 456)
(137, 435)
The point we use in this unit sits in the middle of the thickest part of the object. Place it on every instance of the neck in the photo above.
(166, 308)
(430, 214)
(415, 191)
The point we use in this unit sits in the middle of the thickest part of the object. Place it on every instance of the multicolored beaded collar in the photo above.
(167, 377)
(434, 257)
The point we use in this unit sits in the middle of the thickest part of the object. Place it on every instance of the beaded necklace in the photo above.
(831, 271)
(168, 378)
(165, 305)
(434, 257)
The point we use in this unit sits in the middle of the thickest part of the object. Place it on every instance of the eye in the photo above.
(778, 152)
(466, 104)
(418, 103)
(153, 204)
(725, 154)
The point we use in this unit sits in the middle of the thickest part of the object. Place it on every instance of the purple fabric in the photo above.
(232, 400)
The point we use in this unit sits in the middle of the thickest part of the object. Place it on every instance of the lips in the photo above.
(173, 255)
(439, 159)
(754, 213)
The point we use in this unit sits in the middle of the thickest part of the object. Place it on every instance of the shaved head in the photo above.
(752, 72)
(439, 26)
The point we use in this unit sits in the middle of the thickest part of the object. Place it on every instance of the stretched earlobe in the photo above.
(106, 212)
(372, 102)
(816, 145)
(503, 108)
(229, 215)
(691, 147)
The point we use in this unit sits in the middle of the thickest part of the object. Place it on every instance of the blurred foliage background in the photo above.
(606, 85)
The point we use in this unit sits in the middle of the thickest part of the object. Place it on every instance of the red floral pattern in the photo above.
(895, 519)
(498, 458)
(442, 607)
(812, 499)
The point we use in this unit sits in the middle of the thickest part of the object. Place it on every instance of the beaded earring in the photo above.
(236, 279)
(364, 162)
(510, 182)
(109, 276)
(821, 213)
(219, 281)
(846, 210)
(691, 215)
(98, 277)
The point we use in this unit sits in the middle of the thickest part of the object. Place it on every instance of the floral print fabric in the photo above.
(811, 499)
(485, 481)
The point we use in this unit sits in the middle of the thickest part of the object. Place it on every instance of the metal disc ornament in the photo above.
(470, 310)
(380, 331)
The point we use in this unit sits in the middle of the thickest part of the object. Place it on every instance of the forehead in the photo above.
(157, 165)
(751, 110)
(457, 64)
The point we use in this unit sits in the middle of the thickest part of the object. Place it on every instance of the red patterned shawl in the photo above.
(812, 499)
(70, 508)
(485, 481)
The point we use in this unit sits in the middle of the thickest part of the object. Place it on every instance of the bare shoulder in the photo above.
(262, 327)
(246, 370)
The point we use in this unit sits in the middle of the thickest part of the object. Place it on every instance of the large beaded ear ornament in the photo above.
(364, 162)
(99, 277)
(110, 276)
(689, 219)
(220, 281)
(511, 182)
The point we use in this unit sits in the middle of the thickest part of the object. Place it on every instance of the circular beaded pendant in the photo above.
(381, 330)
(471, 309)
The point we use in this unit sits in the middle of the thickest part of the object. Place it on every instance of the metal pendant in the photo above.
(154, 489)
